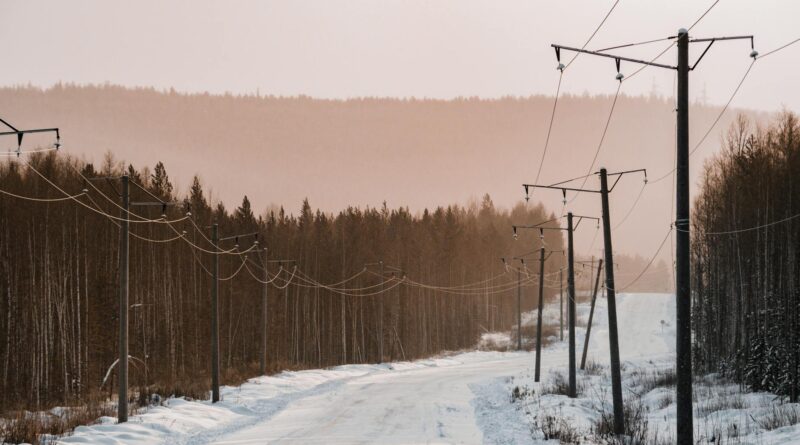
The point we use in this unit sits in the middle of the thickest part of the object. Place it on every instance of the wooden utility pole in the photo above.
(683, 296)
(124, 238)
(263, 349)
(380, 319)
(571, 306)
(519, 308)
(215, 316)
(613, 336)
(561, 302)
(591, 314)
(537, 373)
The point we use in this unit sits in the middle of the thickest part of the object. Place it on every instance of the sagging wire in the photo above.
(98, 211)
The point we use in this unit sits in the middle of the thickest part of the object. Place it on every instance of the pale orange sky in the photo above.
(333, 48)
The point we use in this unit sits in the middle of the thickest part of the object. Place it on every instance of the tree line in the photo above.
(745, 256)
(59, 264)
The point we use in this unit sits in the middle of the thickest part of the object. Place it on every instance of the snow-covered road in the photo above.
(423, 405)
(457, 399)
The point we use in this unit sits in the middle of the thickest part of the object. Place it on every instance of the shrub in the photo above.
(635, 425)
(557, 428)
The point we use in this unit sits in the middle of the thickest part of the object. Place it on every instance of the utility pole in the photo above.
(124, 288)
(380, 319)
(540, 308)
(591, 314)
(124, 238)
(683, 318)
(613, 336)
(265, 307)
(683, 297)
(561, 301)
(616, 384)
(571, 306)
(215, 316)
(380, 310)
(519, 308)
(570, 292)
(215, 240)
(263, 349)
(542, 259)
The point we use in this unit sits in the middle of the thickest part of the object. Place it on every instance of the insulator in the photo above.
(754, 54)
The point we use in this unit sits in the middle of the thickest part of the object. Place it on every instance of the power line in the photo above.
(550, 126)
(749, 229)
(717, 119)
(704, 14)
(635, 202)
(100, 212)
(602, 22)
(648, 264)
(602, 139)
(779, 49)
(34, 199)
(561, 69)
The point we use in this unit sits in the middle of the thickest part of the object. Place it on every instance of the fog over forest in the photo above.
(362, 152)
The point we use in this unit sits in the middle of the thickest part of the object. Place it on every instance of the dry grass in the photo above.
(555, 427)
(27, 427)
(779, 416)
(635, 425)
(646, 380)
(529, 336)
(593, 368)
(559, 384)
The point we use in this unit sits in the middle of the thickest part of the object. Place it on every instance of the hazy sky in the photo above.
(398, 48)
(442, 49)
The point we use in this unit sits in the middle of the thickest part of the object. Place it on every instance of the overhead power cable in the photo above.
(704, 14)
(748, 229)
(561, 69)
(594, 33)
(635, 202)
(35, 199)
(100, 212)
(239, 269)
(730, 99)
(649, 263)
(716, 120)
(141, 237)
(778, 49)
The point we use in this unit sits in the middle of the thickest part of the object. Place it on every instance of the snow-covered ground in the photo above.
(724, 414)
(464, 398)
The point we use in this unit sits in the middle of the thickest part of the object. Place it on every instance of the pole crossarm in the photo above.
(21, 133)
(523, 257)
(617, 58)
(236, 237)
(37, 130)
(553, 187)
(581, 218)
(564, 190)
(558, 49)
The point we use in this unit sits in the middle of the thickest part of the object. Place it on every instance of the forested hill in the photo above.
(416, 153)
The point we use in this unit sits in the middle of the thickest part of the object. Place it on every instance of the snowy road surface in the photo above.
(459, 399)
(428, 405)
